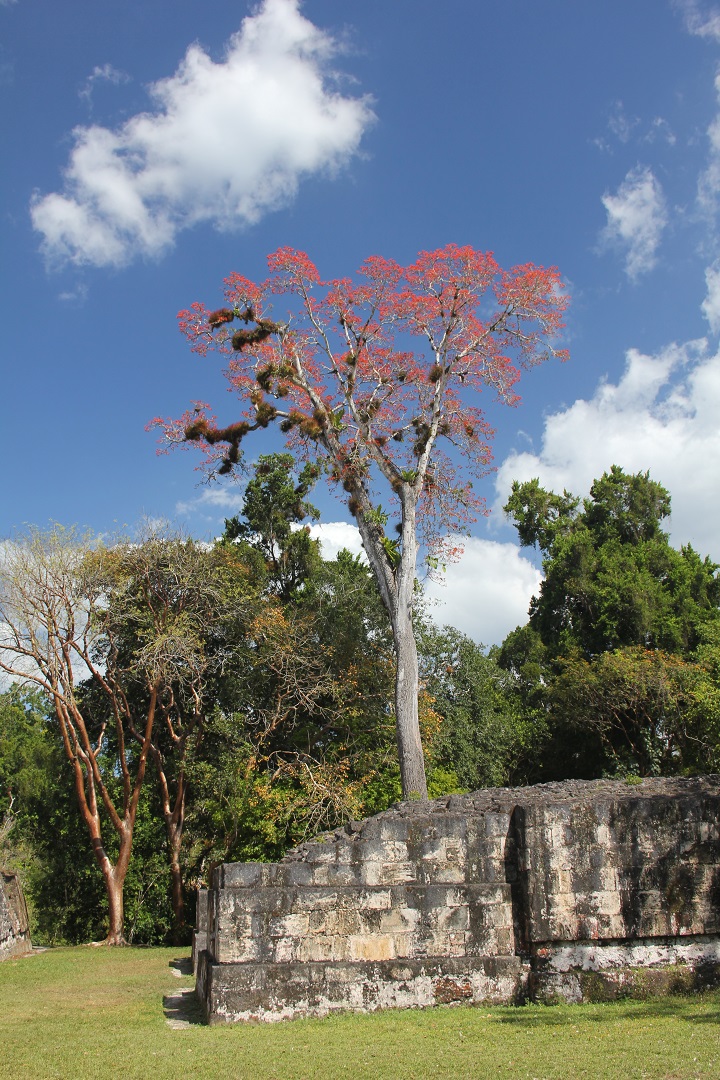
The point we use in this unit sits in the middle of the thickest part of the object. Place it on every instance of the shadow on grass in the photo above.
(182, 965)
(659, 1008)
(182, 1009)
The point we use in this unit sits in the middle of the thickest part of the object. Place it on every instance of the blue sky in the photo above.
(149, 149)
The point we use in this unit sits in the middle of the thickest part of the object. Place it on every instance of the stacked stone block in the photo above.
(14, 924)
(494, 896)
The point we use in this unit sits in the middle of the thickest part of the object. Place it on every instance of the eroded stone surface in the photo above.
(14, 926)
(494, 896)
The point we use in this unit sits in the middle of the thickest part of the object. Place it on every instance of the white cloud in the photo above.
(661, 416)
(336, 535)
(486, 594)
(699, 22)
(709, 181)
(626, 128)
(217, 500)
(636, 218)
(106, 73)
(711, 304)
(77, 295)
(660, 130)
(620, 124)
(226, 143)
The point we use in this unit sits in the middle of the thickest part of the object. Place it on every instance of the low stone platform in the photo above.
(560, 891)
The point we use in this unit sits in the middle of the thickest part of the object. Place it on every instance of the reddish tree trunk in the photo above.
(114, 879)
(176, 878)
(116, 911)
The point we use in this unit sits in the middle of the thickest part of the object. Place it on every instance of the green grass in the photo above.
(76, 1013)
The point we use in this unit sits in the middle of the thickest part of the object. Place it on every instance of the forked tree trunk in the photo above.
(114, 879)
(113, 874)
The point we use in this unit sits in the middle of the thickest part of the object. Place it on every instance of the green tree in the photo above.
(46, 841)
(275, 503)
(303, 734)
(370, 381)
(65, 607)
(702, 720)
(28, 755)
(611, 577)
(610, 652)
(486, 739)
(628, 709)
(176, 613)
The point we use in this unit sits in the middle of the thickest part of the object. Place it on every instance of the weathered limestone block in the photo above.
(588, 971)
(270, 992)
(574, 890)
(199, 939)
(14, 924)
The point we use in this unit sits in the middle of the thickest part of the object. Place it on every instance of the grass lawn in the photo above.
(84, 1012)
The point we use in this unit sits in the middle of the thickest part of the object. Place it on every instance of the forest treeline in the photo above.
(236, 698)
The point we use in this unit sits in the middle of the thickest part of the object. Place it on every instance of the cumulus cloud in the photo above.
(661, 416)
(334, 536)
(225, 144)
(486, 594)
(636, 218)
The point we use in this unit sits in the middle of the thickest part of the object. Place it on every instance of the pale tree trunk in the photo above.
(412, 763)
(407, 678)
(397, 588)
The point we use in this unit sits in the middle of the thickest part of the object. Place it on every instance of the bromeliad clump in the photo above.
(356, 366)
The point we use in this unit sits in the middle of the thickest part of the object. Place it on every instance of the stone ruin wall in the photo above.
(14, 924)
(571, 891)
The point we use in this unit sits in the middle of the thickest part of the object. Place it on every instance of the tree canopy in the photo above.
(380, 382)
(611, 576)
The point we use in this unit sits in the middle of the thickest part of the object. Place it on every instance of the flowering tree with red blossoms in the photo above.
(378, 381)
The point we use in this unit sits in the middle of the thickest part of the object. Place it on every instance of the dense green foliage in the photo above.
(274, 505)
(46, 841)
(619, 655)
(276, 720)
(611, 577)
(486, 738)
